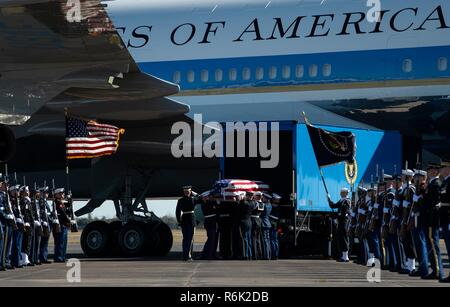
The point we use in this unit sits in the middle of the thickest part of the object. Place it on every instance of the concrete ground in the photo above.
(170, 271)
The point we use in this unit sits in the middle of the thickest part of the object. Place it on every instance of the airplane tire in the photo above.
(163, 240)
(94, 239)
(132, 239)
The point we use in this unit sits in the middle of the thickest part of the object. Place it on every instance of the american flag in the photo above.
(89, 139)
(235, 187)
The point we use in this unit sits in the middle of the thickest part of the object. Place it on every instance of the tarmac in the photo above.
(172, 272)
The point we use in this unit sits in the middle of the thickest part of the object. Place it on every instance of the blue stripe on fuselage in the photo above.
(354, 66)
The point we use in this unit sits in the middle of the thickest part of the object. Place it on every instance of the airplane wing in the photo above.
(57, 55)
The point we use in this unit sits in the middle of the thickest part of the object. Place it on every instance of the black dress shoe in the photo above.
(431, 276)
(445, 280)
(414, 273)
(403, 271)
(2, 269)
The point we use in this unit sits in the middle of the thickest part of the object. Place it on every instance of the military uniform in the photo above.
(257, 230)
(3, 232)
(444, 214)
(37, 229)
(247, 207)
(390, 244)
(64, 222)
(186, 218)
(46, 217)
(28, 237)
(343, 207)
(225, 223)
(274, 218)
(432, 201)
(209, 209)
(16, 252)
(266, 226)
(372, 231)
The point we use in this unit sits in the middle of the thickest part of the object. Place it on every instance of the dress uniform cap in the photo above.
(249, 193)
(24, 188)
(418, 172)
(387, 177)
(362, 189)
(258, 193)
(59, 190)
(268, 196)
(408, 172)
(276, 196)
(44, 189)
(187, 187)
(14, 188)
(433, 166)
(346, 190)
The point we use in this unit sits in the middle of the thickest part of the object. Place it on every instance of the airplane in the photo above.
(353, 63)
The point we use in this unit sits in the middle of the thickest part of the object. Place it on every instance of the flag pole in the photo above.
(307, 122)
(67, 160)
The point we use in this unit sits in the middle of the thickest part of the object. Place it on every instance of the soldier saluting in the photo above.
(343, 206)
(64, 222)
(186, 219)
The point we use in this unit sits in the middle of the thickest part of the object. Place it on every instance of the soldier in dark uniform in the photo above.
(444, 212)
(45, 214)
(28, 237)
(266, 226)
(389, 244)
(5, 227)
(225, 223)
(186, 219)
(274, 218)
(404, 234)
(37, 227)
(247, 206)
(418, 224)
(257, 226)
(209, 209)
(432, 201)
(394, 224)
(236, 216)
(343, 206)
(64, 222)
(372, 236)
(16, 251)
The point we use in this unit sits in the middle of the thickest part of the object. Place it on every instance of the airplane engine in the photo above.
(7, 143)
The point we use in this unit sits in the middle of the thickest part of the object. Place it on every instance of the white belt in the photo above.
(362, 211)
(208, 216)
(416, 197)
(255, 216)
(10, 217)
(396, 203)
(19, 221)
(370, 208)
(376, 206)
(2, 208)
(385, 210)
(37, 224)
(27, 224)
(274, 217)
(353, 214)
(445, 204)
(406, 203)
(44, 224)
(187, 212)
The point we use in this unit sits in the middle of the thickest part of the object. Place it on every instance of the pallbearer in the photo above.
(274, 220)
(247, 206)
(257, 226)
(343, 206)
(444, 212)
(209, 209)
(186, 219)
(266, 226)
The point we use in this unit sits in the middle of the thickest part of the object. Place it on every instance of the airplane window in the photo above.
(313, 70)
(177, 77)
(232, 74)
(273, 72)
(219, 75)
(259, 73)
(191, 76)
(442, 64)
(246, 73)
(299, 71)
(407, 65)
(205, 75)
(286, 71)
(326, 70)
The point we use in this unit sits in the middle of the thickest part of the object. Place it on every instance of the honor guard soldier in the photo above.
(225, 223)
(389, 244)
(45, 213)
(28, 236)
(257, 226)
(274, 218)
(371, 230)
(343, 206)
(266, 226)
(444, 212)
(417, 223)
(38, 232)
(394, 224)
(358, 219)
(16, 250)
(432, 201)
(405, 235)
(9, 224)
(209, 210)
(64, 222)
(247, 206)
(186, 219)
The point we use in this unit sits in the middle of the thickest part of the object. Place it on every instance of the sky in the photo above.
(159, 207)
